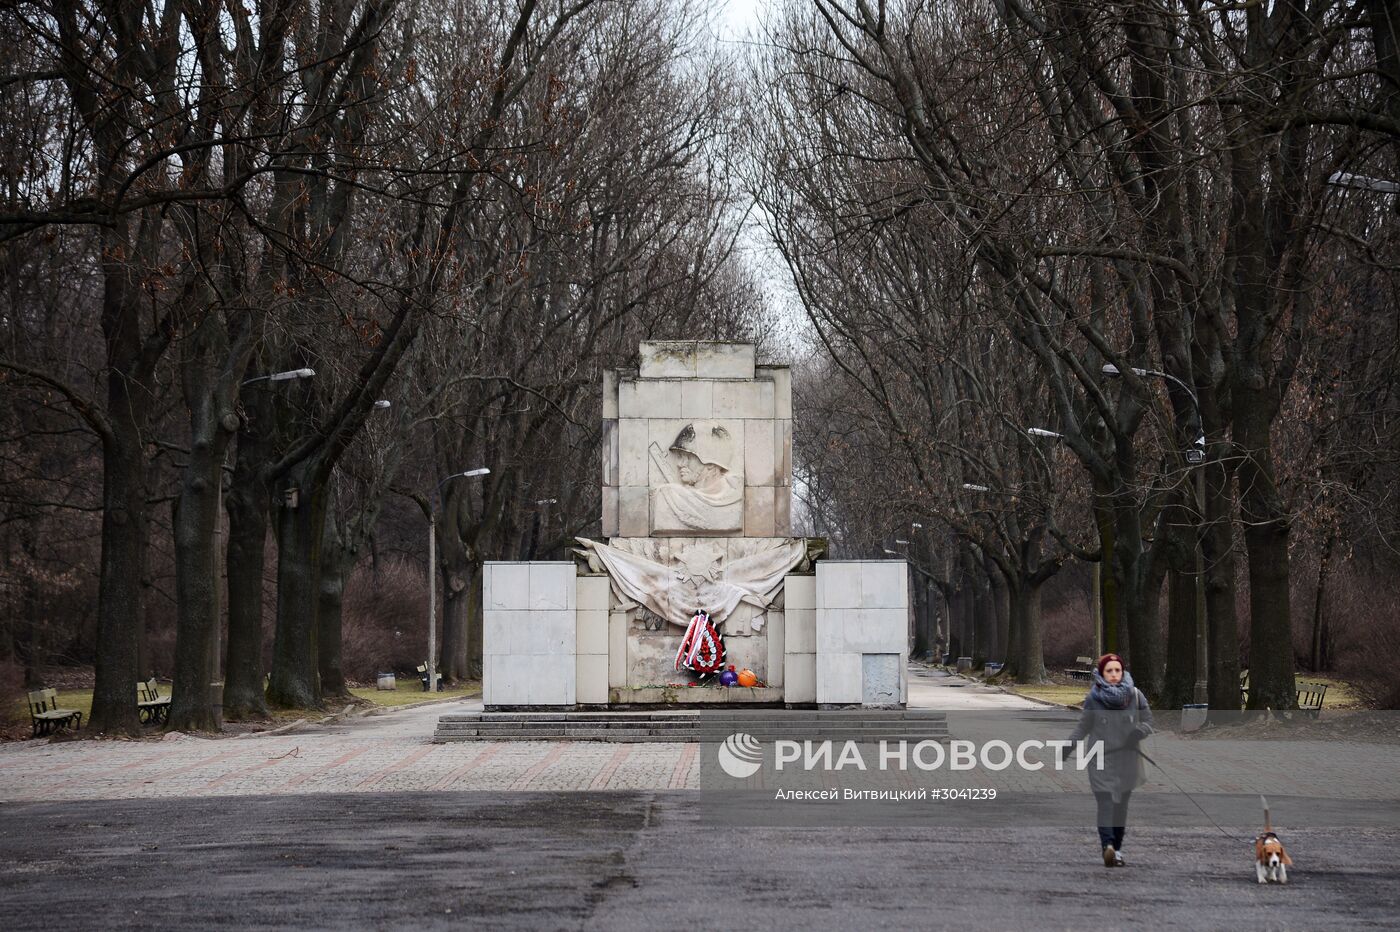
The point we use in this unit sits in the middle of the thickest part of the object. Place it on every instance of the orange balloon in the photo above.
(747, 678)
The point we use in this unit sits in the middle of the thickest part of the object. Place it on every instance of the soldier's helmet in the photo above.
(709, 442)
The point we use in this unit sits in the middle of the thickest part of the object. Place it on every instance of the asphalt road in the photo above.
(644, 860)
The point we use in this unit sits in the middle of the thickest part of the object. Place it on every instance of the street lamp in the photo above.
(432, 571)
(1196, 457)
(282, 376)
(1348, 180)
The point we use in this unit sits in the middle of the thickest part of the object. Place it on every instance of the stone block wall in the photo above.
(800, 639)
(530, 636)
(591, 677)
(862, 632)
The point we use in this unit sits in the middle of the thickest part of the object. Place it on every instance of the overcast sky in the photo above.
(738, 16)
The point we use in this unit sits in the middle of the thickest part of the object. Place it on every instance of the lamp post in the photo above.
(432, 571)
(1195, 457)
(282, 376)
(1348, 180)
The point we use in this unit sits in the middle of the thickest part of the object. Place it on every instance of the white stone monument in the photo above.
(696, 494)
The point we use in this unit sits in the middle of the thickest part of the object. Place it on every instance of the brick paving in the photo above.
(392, 753)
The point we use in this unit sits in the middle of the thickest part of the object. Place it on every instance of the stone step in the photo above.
(710, 729)
(738, 716)
(639, 737)
(710, 725)
(798, 733)
(557, 732)
(865, 725)
(785, 732)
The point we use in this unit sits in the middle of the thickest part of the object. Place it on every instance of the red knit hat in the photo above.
(1103, 662)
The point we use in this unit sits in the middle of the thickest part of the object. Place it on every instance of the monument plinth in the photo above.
(696, 499)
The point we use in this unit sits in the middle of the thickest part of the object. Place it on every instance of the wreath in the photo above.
(702, 649)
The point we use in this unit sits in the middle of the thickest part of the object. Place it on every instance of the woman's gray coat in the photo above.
(1120, 730)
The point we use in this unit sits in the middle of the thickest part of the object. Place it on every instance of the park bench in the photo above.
(423, 676)
(1310, 695)
(151, 707)
(1084, 671)
(47, 717)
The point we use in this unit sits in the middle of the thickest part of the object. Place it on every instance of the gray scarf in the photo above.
(1113, 695)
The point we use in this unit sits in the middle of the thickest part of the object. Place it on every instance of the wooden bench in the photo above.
(47, 717)
(1085, 670)
(151, 707)
(1310, 695)
(423, 676)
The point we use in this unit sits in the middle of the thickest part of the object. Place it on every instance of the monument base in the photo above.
(558, 639)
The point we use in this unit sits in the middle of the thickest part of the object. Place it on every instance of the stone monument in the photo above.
(696, 497)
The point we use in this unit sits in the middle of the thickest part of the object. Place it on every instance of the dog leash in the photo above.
(1192, 798)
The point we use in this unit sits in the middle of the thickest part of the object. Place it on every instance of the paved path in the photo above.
(637, 860)
(389, 751)
(392, 753)
(366, 824)
(930, 688)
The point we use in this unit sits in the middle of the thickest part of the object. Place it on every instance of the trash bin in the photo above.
(964, 664)
(385, 681)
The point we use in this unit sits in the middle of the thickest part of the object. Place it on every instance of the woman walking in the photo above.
(1115, 713)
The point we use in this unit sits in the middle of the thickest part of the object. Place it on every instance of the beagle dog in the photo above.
(1271, 861)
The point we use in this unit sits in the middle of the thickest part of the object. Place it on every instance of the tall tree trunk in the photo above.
(120, 602)
(1179, 682)
(1271, 678)
(474, 623)
(196, 518)
(1026, 662)
(1000, 649)
(923, 615)
(1011, 654)
(1110, 604)
(1318, 653)
(247, 504)
(457, 579)
(1140, 637)
(981, 612)
(336, 563)
(208, 392)
(1222, 625)
(296, 682)
(957, 612)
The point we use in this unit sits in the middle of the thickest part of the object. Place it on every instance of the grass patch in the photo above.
(79, 699)
(1052, 692)
(407, 695)
(1340, 693)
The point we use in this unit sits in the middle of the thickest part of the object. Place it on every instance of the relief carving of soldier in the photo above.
(700, 492)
